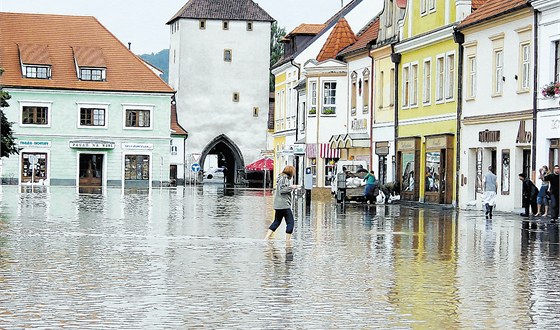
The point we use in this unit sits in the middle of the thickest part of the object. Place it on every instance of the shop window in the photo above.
(407, 170)
(330, 164)
(33, 167)
(554, 153)
(505, 172)
(433, 162)
(137, 167)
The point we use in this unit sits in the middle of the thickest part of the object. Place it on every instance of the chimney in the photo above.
(129, 43)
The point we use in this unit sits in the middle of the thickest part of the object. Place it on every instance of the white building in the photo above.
(219, 64)
(548, 116)
(497, 107)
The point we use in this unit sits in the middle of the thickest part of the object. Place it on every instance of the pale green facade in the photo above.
(65, 148)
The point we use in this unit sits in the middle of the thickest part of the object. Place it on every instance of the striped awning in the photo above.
(311, 150)
(327, 152)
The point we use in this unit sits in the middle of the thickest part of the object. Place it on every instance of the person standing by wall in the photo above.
(283, 203)
(553, 179)
(490, 183)
(530, 192)
(542, 197)
(369, 191)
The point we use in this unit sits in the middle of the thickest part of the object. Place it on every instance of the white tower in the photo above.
(219, 61)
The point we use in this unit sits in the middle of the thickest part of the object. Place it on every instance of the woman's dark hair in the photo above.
(523, 175)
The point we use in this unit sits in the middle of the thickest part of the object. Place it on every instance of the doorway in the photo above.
(527, 162)
(91, 170)
(228, 158)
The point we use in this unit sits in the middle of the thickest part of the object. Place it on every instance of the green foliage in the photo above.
(160, 60)
(276, 48)
(8, 144)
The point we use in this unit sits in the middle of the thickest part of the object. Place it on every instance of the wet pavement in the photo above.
(195, 258)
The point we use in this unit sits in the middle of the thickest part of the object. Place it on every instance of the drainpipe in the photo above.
(459, 38)
(535, 88)
(396, 58)
(371, 89)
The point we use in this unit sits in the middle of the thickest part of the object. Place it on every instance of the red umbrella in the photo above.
(263, 164)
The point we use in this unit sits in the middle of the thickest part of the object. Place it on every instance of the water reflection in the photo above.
(194, 257)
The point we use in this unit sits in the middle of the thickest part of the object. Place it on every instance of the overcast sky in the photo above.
(142, 22)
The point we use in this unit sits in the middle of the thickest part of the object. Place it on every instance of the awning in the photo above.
(263, 164)
(327, 152)
(356, 140)
(335, 140)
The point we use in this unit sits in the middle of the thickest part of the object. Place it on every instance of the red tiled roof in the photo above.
(341, 37)
(367, 35)
(493, 8)
(34, 54)
(63, 37)
(401, 4)
(308, 29)
(175, 126)
(475, 4)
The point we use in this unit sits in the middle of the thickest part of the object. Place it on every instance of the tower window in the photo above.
(235, 97)
(249, 26)
(202, 24)
(225, 25)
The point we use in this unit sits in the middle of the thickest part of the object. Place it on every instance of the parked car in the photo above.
(214, 175)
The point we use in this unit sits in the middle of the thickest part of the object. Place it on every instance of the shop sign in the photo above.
(436, 142)
(489, 136)
(299, 149)
(382, 148)
(406, 145)
(138, 146)
(34, 144)
(523, 136)
(359, 124)
(92, 144)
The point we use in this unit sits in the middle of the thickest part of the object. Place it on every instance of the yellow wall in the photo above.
(430, 21)
(279, 140)
(385, 113)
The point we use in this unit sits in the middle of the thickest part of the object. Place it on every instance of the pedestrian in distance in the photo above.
(283, 203)
(490, 183)
(554, 183)
(529, 195)
(543, 197)
(370, 189)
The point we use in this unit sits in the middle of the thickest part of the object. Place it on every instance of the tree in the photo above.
(276, 48)
(8, 145)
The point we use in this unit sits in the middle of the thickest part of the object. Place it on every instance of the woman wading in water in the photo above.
(283, 203)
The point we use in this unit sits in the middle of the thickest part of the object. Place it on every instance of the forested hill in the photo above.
(159, 60)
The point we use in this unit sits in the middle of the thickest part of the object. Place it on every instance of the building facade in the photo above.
(219, 64)
(87, 112)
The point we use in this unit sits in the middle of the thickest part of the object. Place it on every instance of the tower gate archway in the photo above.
(229, 156)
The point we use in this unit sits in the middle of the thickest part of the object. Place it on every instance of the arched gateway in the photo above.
(229, 156)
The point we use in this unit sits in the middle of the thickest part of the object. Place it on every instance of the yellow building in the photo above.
(426, 100)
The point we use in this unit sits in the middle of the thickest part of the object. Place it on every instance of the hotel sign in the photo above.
(92, 144)
(35, 144)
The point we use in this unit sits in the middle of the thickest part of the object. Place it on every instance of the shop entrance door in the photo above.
(91, 170)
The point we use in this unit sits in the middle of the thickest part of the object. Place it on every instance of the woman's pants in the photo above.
(286, 214)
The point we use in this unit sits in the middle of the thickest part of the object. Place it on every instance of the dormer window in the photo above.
(93, 74)
(90, 63)
(36, 71)
(35, 61)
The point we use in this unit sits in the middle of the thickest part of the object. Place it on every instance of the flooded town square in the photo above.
(194, 257)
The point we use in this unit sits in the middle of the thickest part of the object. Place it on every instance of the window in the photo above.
(174, 150)
(406, 86)
(432, 5)
(498, 72)
(255, 111)
(33, 167)
(92, 74)
(556, 61)
(202, 24)
(235, 97)
(423, 6)
(414, 84)
(92, 117)
(137, 118)
(227, 55)
(365, 93)
(225, 25)
(137, 167)
(525, 66)
(439, 79)
(35, 115)
(380, 88)
(471, 77)
(329, 98)
(330, 164)
(450, 79)
(313, 108)
(249, 26)
(38, 72)
(427, 82)
(353, 96)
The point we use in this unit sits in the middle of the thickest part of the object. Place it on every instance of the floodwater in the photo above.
(195, 258)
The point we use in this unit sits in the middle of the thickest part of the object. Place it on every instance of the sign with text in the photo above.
(138, 146)
(35, 144)
(92, 144)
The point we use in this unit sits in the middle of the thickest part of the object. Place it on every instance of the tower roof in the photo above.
(241, 10)
(341, 37)
(367, 35)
